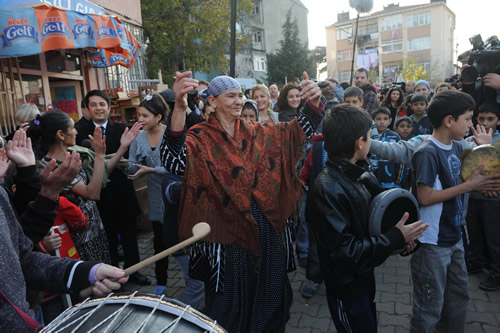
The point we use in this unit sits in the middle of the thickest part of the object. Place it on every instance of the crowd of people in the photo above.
(280, 175)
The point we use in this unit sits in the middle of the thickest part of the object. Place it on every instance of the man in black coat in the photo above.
(118, 205)
(84, 125)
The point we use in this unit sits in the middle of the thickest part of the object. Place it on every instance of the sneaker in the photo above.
(473, 268)
(159, 290)
(310, 289)
(492, 282)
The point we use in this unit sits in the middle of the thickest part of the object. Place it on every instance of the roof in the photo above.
(386, 11)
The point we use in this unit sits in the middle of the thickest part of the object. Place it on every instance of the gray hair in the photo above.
(25, 113)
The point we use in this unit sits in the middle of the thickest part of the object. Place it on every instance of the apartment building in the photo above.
(385, 38)
(266, 28)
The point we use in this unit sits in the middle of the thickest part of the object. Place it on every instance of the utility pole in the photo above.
(232, 52)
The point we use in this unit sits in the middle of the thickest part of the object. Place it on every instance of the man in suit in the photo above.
(84, 125)
(118, 205)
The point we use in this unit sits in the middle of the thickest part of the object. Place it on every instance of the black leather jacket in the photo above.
(337, 208)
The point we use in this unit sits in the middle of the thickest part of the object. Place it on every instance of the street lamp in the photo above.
(361, 6)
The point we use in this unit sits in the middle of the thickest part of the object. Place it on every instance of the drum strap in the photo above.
(32, 323)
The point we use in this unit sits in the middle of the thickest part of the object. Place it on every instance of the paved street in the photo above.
(394, 297)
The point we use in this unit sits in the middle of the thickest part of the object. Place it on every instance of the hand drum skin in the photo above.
(387, 208)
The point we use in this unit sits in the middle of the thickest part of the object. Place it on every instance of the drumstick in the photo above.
(200, 230)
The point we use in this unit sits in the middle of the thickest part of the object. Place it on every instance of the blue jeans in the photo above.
(440, 288)
(195, 289)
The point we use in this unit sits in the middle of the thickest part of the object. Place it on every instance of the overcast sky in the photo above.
(472, 17)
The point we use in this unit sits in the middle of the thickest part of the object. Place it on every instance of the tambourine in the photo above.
(387, 208)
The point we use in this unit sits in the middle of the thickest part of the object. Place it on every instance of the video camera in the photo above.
(484, 58)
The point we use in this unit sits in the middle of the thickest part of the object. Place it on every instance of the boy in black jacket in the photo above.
(337, 208)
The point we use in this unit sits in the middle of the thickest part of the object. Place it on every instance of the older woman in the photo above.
(240, 178)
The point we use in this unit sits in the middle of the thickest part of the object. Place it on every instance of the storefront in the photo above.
(54, 56)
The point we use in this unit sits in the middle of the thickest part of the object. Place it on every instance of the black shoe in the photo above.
(492, 282)
(473, 268)
(140, 279)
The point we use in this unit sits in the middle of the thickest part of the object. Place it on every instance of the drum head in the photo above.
(387, 208)
(132, 313)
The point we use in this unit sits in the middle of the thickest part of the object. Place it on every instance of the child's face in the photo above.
(404, 129)
(249, 115)
(382, 121)
(488, 120)
(460, 127)
(419, 108)
(354, 100)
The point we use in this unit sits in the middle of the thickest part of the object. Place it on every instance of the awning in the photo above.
(28, 31)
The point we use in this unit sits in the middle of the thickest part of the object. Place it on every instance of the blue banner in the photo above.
(82, 6)
(82, 29)
(20, 34)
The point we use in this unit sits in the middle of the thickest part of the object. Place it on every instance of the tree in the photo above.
(188, 34)
(318, 56)
(412, 71)
(292, 58)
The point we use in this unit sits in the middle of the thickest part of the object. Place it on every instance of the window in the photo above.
(423, 18)
(345, 76)
(391, 22)
(390, 46)
(368, 29)
(256, 8)
(344, 55)
(426, 66)
(344, 32)
(257, 37)
(421, 43)
(259, 64)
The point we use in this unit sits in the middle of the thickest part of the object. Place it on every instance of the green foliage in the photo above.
(318, 56)
(412, 71)
(188, 35)
(292, 58)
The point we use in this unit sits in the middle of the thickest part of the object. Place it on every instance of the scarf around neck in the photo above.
(224, 174)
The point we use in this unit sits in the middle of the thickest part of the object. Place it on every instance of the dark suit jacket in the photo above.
(118, 200)
(83, 127)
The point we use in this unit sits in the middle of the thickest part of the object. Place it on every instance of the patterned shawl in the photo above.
(223, 174)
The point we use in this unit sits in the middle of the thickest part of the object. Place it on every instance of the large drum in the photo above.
(132, 313)
(387, 208)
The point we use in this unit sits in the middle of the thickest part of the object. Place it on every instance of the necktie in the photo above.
(103, 129)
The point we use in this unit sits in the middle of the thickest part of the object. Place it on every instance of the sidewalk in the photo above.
(394, 297)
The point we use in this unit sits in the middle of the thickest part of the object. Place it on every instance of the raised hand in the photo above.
(53, 180)
(482, 136)
(129, 135)
(19, 150)
(98, 142)
(310, 90)
(182, 86)
(4, 162)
